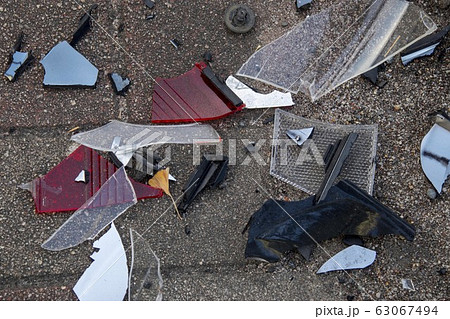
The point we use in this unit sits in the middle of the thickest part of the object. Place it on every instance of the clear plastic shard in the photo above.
(108, 203)
(337, 44)
(145, 281)
(304, 168)
(82, 176)
(254, 100)
(124, 138)
(408, 284)
(106, 278)
(435, 156)
(353, 257)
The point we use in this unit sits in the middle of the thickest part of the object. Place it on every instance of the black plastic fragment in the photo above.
(334, 160)
(150, 16)
(239, 18)
(120, 84)
(18, 61)
(351, 240)
(175, 43)
(279, 226)
(149, 3)
(211, 172)
(303, 4)
(207, 57)
(424, 46)
(83, 26)
(221, 86)
(372, 76)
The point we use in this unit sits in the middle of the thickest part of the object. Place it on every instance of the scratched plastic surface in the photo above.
(111, 200)
(303, 167)
(57, 190)
(145, 281)
(337, 44)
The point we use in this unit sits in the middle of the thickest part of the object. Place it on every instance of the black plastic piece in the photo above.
(423, 43)
(372, 76)
(351, 240)
(239, 18)
(222, 87)
(334, 160)
(207, 57)
(175, 43)
(149, 3)
(18, 60)
(120, 84)
(279, 226)
(83, 26)
(211, 172)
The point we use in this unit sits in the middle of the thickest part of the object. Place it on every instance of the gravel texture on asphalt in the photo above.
(209, 263)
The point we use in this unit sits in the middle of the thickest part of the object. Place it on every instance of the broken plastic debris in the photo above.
(239, 18)
(18, 60)
(149, 3)
(303, 167)
(83, 26)
(58, 191)
(106, 278)
(254, 100)
(65, 66)
(303, 4)
(300, 136)
(211, 172)
(123, 139)
(337, 44)
(120, 84)
(175, 43)
(423, 47)
(82, 177)
(108, 203)
(353, 257)
(145, 281)
(408, 284)
(197, 95)
(280, 226)
(435, 153)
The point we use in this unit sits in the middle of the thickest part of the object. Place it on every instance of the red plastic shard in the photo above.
(197, 95)
(58, 191)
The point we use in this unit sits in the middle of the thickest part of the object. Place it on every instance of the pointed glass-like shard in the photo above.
(300, 136)
(353, 257)
(65, 66)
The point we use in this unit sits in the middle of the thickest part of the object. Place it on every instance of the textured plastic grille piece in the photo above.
(303, 166)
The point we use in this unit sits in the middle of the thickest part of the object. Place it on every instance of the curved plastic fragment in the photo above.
(65, 66)
(353, 257)
(337, 44)
(435, 156)
(106, 277)
(197, 95)
(145, 281)
(111, 200)
(279, 226)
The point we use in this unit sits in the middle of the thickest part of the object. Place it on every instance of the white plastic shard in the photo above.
(435, 156)
(106, 279)
(145, 281)
(300, 136)
(82, 176)
(338, 44)
(108, 203)
(353, 257)
(124, 138)
(254, 100)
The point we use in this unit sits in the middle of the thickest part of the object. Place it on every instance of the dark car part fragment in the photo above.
(197, 95)
(120, 84)
(423, 47)
(334, 160)
(211, 172)
(149, 3)
(239, 18)
(18, 60)
(83, 26)
(280, 226)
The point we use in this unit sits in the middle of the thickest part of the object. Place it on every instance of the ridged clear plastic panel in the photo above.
(303, 167)
(337, 44)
